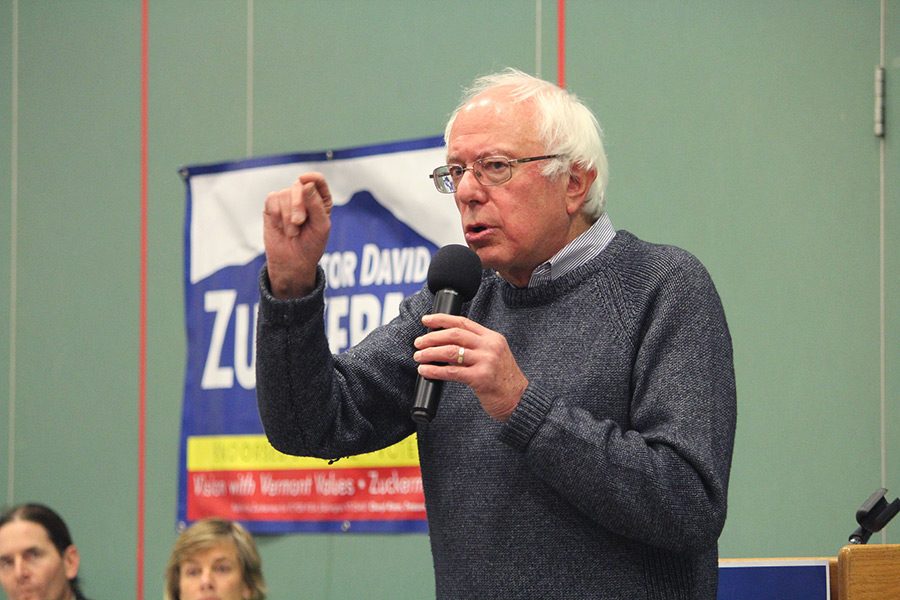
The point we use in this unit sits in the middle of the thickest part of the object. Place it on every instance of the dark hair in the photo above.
(52, 523)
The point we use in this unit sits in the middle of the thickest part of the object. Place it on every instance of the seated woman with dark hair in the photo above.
(215, 558)
(37, 557)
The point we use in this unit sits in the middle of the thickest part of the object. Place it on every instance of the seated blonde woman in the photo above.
(215, 558)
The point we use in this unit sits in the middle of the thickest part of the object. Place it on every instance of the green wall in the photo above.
(741, 131)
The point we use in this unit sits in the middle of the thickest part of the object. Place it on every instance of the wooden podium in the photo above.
(866, 572)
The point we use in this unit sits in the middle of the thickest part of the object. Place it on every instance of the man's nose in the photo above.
(21, 569)
(469, 188)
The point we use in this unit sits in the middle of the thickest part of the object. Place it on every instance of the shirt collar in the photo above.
(579, 251)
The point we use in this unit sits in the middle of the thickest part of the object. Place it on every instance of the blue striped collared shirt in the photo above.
(576, 253)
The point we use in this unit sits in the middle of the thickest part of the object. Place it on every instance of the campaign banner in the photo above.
(387, 222)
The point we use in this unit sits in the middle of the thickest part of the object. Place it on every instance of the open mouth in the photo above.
(478, 234)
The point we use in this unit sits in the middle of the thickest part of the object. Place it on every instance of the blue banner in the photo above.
(778, 579)
(387, 221)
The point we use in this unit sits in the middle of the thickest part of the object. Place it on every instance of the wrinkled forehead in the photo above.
(493, 123)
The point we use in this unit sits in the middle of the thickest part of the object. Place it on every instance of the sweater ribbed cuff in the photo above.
(525, 420)
(287, 312)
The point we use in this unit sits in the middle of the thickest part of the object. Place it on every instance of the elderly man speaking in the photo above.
(583, 443)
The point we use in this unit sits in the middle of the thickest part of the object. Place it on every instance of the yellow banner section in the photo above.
(253, 452)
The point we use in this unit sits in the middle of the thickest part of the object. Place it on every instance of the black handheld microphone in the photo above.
(453, 277)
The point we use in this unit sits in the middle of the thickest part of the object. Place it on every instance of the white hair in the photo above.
(565, 126)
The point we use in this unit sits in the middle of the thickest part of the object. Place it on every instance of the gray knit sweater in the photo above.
(609, 480)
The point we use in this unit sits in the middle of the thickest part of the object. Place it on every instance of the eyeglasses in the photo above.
(491, 170)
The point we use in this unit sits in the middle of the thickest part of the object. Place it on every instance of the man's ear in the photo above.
(71, 561)
(580, 181)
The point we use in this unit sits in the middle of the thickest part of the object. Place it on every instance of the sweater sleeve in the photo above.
(313, 403)
(662, 477)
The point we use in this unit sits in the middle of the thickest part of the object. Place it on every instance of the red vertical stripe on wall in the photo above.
(142, 343)
(561, 43)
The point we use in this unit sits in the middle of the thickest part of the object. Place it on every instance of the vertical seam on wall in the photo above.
(13, 256)
(249, 150)
(561, 43)
(142, 318)
(882, 357)
(538, 33)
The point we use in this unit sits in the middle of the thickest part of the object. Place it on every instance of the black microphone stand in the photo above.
(873, 515)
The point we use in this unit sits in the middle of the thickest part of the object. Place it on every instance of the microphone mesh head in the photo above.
(455, 267)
